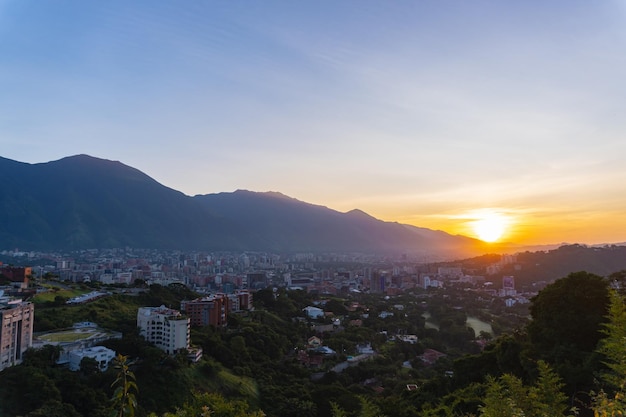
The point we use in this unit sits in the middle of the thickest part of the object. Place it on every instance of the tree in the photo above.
(502, 397)
(89, 366)
(42, 357)
(26, 388)
(611, 401)
(567, 320)
(368, 409)
(214, 405)
(507, 396)
(613, 346)
(546, 395)
(124, 400)
(569, 313)
(55, 408)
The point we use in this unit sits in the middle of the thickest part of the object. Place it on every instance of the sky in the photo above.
(431, 113)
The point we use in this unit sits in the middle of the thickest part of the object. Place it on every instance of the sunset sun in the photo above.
(490, 227)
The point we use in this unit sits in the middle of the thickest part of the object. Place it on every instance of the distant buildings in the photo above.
(16, 331)
(450, 272)
(166, 328)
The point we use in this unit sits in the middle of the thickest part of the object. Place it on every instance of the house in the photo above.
(385, 314)
(313, 312)
(324, 328)
(408, 338)
(310, 360)
(103, 356)
(365, 348)
(430, 356)
(314, 342)
(324, 350)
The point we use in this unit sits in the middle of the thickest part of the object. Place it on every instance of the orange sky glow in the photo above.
(419, 112)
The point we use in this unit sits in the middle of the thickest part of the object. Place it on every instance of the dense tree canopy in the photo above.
(568, 314)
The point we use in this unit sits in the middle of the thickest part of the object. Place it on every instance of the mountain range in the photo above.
(81, 202)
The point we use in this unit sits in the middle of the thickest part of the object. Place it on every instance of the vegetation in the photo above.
(569, 359)
(124, 399)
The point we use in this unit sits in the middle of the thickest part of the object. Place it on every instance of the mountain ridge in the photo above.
(82, 201)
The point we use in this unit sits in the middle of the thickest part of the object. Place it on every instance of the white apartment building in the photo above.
(16, 331)
(168, 329)
(102, 355)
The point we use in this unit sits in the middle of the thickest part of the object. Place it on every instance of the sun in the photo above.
(490, 227)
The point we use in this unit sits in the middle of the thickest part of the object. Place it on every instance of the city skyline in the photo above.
(431, 114)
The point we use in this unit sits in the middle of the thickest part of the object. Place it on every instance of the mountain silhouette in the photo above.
(83, 202)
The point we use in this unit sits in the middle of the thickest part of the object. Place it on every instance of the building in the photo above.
(508, 282)
(430, 356)
(450, 272)
(103, 356)
(377, 283)
(16, 334)
(168, 329)
(313, 312)
(240, 300)
(257, 280)
(211, 310)
(80, 336)
(18, 276)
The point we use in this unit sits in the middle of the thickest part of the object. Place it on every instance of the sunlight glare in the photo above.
(490, 226)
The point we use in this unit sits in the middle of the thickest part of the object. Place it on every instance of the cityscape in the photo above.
(312, 209)
(434, 313)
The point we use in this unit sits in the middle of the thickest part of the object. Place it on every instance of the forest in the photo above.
(566, 358)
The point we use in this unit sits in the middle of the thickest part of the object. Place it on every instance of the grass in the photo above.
(54, 292)
(68, 336)
(244, 386)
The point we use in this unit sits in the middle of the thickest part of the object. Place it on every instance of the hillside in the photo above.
(85, 202)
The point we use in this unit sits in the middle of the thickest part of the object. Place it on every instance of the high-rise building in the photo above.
(16, 333)
(508, 282)
(168, 329)
(257, 280)
(377, 283)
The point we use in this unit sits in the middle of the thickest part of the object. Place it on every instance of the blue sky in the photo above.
(423, 112)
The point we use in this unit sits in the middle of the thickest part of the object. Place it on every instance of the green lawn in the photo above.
(67, 336)
(50, 295)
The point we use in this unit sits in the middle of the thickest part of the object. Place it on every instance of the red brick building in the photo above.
(207, 311)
